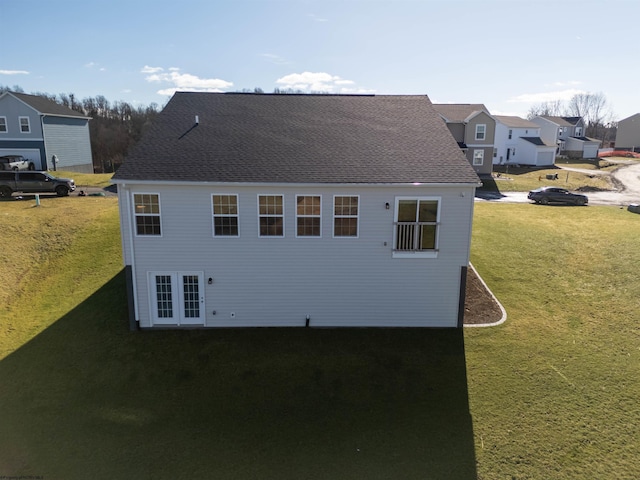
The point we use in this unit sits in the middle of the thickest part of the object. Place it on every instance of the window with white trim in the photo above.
(308, 215)
(345, 216)
(147, 213)
(225, 215)
(478, 157)
(271, 215)
(3, 124)
(416, 225)
(510, 134)
(578, 131)
(25, 126)
(481, 131)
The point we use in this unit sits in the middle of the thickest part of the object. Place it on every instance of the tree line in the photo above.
(114, 128)
(592, 107)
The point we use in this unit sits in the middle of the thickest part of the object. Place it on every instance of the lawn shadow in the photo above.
(86, 398)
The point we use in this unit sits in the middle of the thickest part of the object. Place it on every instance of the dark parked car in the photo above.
(34, 182)
(547, 195)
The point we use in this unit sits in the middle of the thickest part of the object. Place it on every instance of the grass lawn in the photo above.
(523, 179)
(552, 393)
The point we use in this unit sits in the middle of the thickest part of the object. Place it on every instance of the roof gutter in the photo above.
(123, 181)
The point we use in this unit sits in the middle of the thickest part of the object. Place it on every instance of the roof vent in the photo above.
(197, 119)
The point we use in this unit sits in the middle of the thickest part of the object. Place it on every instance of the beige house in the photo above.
(473, 127)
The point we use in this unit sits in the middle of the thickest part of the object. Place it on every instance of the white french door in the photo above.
(176, 298)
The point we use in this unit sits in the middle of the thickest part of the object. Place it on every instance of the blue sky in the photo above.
(507, 54)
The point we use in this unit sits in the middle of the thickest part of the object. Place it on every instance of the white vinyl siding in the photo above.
(256, 282)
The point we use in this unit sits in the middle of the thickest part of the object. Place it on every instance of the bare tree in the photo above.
(594, 109)
(553, 108)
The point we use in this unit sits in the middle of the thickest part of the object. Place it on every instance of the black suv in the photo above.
(34, 182)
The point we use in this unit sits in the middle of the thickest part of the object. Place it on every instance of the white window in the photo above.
(481, 130)
(25, 127)
(478, 157)
(308, 215)
(147, 213)
(578, 131)
(3, 124)
(271, 215)
(560, 131)
(225, 215)
(345, 216)
(416, 227)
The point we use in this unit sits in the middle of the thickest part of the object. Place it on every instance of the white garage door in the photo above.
(590, 151)
(545, 158)
(31, 154)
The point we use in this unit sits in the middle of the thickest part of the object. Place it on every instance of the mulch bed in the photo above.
(479, 306)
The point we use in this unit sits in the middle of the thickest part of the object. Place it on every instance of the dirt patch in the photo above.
(479, 307)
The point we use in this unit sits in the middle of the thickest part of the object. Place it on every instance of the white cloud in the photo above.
(318, 82)
(148, 69)
(277, 59)
(183, 82)
(545, 96)
(14, 72)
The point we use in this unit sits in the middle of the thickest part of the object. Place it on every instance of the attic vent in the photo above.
(197, 119)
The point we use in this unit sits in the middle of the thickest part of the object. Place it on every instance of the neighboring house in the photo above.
(245, 210)
(518, 141)
(567, 133)
(39, 129)
(628, 133)
(473, 128)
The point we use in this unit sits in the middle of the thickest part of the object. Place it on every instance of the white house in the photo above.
(245, 210)
(518, 141)
(568, 134)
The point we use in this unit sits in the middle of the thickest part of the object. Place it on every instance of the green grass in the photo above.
(86, 179)
(552, 393)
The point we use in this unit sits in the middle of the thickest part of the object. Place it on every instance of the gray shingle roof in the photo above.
(46, 106)
(270, 138)
(562, 121)
(515, 122)
(536, 141)
(458, 112)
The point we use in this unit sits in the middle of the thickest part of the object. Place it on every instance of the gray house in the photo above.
(628, 133)
(567, 133)
(246, 210)
(474, 128)
(43, 131)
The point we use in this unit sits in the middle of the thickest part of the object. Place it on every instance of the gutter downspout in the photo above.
(127, 206)
(43, 162)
